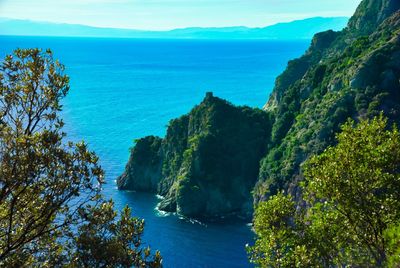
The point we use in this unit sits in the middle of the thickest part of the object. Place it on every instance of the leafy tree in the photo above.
(50, 188)
(360, 178)
(392, 236)
(103, 240)
(351, 208)
(273, 223)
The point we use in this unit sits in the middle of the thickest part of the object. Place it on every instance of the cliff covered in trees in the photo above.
(212, 159)
(350, 74)
(207, 164)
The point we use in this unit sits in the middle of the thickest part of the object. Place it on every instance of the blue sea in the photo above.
(123, 89)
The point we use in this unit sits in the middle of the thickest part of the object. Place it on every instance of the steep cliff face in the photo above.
(297, 68)
(209, 161)
(371, 13)
(352, 75)
(143, 171)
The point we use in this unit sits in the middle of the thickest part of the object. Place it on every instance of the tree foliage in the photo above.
(107, 241)
(50, 188)
(351, 209)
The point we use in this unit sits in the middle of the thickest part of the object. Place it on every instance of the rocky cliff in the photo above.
(213, 158)
(207, 164)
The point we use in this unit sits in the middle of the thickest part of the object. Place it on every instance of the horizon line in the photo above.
(172, 29)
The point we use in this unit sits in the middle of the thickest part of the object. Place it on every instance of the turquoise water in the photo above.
(124, 89)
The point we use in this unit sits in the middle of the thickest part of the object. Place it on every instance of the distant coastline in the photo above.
(298, 29)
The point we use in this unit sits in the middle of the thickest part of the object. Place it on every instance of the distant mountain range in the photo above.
(299, 29)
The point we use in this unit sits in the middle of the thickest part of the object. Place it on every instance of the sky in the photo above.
(171, 14)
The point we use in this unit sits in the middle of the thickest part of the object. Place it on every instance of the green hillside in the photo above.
(209, 162)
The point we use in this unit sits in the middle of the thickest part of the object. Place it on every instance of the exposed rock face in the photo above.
(143, 171)
(297, 68)
(209, 158)
(371, 13)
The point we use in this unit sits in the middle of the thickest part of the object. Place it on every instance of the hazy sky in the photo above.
(167, 14)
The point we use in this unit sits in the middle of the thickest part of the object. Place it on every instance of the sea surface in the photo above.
(124, 89)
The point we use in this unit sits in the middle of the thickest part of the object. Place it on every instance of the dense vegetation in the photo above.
(351, 215)
(340, 208)
(345, 74)
(51, 210)
(208, 162)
